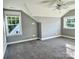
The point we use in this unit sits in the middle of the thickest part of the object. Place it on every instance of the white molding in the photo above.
(13, 13)
(40, 38)
(4, 39)
(68, 36)
(57, 36)
(21, 41)
(50, 37)
(4, 50)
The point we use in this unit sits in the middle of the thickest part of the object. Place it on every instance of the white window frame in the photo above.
(65, 20)
(13, 13)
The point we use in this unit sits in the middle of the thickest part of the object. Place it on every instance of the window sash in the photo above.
(17, 21)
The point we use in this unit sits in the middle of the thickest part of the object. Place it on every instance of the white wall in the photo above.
(50, 26)
(35, 8)
(4, 40)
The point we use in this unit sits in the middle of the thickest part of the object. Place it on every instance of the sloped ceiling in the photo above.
(36, 8)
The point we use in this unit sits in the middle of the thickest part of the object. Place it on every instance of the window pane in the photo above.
(13, 21)
(17, 18)
(9, 21)
(68, 25)
(68, 21)
(73, 20)
(17, 21)
(8, 17)
(11, 27)
(13, 18)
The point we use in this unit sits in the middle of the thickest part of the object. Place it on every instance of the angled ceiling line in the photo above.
(67, 11)
(29, 12)
(32, 8)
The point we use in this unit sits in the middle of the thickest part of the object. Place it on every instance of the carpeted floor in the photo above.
(57, 48)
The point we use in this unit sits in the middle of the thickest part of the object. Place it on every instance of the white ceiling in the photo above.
(36, 8)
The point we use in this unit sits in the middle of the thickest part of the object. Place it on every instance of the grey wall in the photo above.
(39, 30)
(50, 26)
(68, 32)
(28, 29)
(47, 27)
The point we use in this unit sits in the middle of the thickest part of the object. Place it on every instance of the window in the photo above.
(69, 22)
(13, 24)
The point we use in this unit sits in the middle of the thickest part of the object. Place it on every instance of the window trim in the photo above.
(13, 13)
(64, 22)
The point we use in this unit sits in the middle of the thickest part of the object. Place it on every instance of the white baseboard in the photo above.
(50, 37)
(21, 41)
(4, 50)
(58, 36)
(68, 36)
(40, 38)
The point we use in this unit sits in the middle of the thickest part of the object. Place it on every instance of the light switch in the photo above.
(33, 23)
(34, 35)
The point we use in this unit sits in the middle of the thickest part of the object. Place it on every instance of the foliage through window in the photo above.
(13, 21)
(69, 22)
(13, 24)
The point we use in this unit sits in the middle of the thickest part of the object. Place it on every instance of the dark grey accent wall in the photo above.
(68, 32)
(39, 30)
(28, 29)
